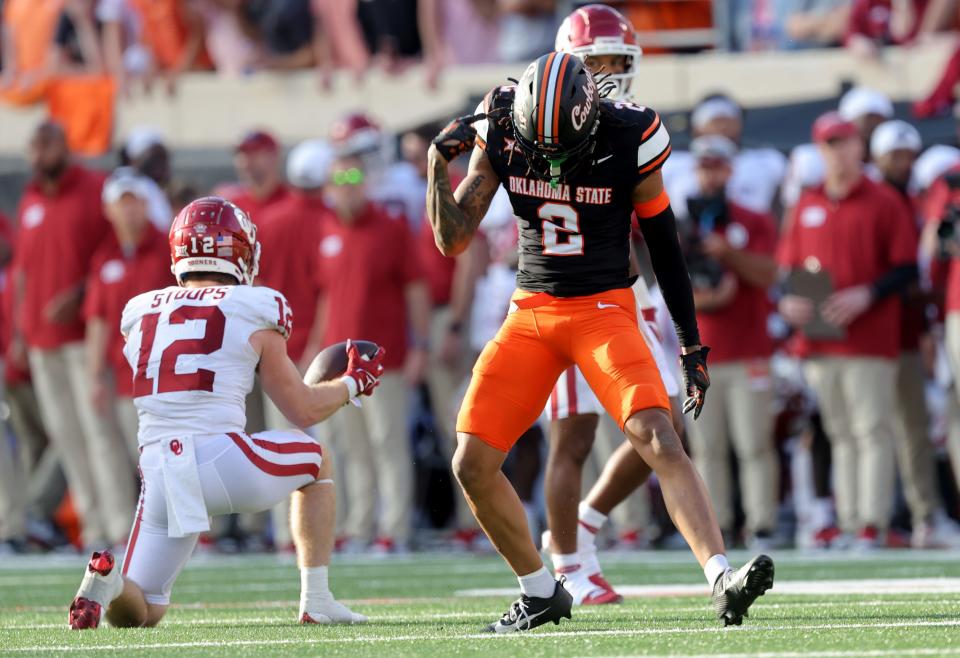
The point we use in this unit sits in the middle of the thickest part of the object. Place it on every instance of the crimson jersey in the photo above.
(575, 237)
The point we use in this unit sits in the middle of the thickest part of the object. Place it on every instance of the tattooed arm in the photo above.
(455, 217)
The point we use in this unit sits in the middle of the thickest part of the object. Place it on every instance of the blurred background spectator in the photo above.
(259, 185)
(857, 243)
(372, 286)
(61, 222)
(131, 260)
(729, 252)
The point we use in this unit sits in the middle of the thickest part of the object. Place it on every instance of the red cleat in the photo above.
(84, 614)
(102, 563)
(606, 595)
(99, 583)
(825, 537)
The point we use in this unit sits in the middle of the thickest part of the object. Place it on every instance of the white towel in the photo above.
(186, 509)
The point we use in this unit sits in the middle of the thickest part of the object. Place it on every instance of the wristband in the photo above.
(353, 389)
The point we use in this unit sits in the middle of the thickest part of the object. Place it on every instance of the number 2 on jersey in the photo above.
(170, 381)
(568, 228)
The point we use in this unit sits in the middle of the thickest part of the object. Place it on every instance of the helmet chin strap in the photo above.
(555, 171)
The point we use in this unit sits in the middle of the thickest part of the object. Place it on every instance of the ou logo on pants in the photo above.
(176, 447)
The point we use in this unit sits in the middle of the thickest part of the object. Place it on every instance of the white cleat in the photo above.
(591, 589)
(101, 584)
(331, 611)
(939, 532)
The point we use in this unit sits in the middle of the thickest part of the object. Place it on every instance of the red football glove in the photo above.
(363, 373)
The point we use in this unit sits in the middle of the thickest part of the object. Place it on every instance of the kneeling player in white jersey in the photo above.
(194, 350)
(606, 42)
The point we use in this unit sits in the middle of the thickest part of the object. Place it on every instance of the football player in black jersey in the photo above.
(576, 168)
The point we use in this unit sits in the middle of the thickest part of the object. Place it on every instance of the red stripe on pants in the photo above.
(554, 401)
(270, 468)
(571, 391)
(288, 448)
(136, 526)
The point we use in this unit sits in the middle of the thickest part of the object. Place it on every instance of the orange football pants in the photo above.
(540, 338)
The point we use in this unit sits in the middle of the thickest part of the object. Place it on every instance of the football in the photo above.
(332, 361)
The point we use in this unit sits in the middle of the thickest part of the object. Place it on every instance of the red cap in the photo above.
(832, 126)
(258, 140)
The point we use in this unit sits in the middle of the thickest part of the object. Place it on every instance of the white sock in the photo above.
(565, 563)
(821, 513)
(590, 522)
(313, 586)
(715, 567)
(593, 519)
(539, 584)
(589, 563)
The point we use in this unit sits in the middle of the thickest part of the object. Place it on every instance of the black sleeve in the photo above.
(660, 233)
(65, 34)
(896, 281)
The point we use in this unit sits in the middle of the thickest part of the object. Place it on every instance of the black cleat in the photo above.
(735, 591)
(528, 612)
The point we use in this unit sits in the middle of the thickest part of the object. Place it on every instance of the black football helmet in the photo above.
(555, 115)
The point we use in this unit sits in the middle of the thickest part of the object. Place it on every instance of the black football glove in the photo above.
(696, 380)
(458, 136)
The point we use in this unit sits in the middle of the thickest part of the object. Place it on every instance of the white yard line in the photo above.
(809, 587)
(486, 636)
(876, 653)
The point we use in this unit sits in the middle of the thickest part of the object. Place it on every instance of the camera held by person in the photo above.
(708, 234)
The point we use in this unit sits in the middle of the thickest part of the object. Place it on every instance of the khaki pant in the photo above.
(914, 449)
(856, 397)
(13, 492)
(952, 343)
(953, 430)
(374, 461)
(129, 424)
(94, 458)
(633, 514)
(739, 412)
(443, 384)
(44, 477)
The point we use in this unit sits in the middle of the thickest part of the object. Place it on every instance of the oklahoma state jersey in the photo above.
(191, 357)
(575, 237)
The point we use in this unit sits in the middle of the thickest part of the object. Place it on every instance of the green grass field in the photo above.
(888, 604)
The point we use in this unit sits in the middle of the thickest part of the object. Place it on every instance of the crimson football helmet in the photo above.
(602, 30)
(213, 235)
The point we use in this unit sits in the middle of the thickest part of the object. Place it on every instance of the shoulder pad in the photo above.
(642, 127)
(499, 97)
(137, 307)
(267, 308)
(498, 101)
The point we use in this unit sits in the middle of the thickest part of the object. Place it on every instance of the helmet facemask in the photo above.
(557, 166)
(555, 115)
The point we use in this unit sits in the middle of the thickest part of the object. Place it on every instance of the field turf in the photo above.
(886, 604)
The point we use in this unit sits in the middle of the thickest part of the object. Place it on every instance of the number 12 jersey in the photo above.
(575, 237)
(190, 352)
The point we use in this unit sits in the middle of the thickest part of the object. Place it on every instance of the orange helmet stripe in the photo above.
(544, 83)
(557, 95)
